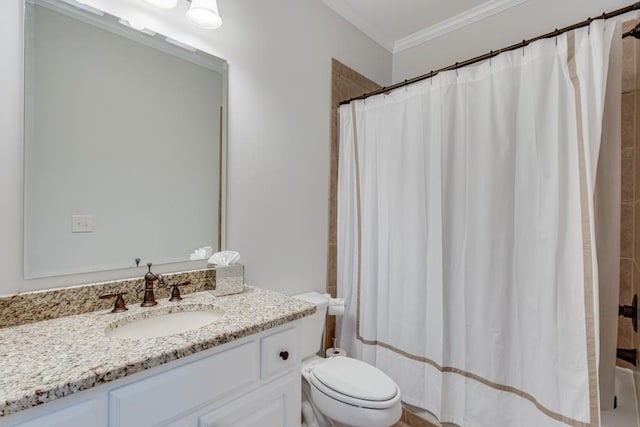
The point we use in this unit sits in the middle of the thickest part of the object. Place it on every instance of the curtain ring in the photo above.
(490, 58)
(431, 75)
(557, 32)
(523, 45)
(457, 70)
(589, 20)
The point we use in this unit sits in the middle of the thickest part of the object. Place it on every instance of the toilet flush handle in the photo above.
(284, 355)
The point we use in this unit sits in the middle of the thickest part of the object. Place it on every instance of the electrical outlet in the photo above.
(81, 223)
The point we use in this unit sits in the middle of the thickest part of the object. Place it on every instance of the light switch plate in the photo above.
(81, 223)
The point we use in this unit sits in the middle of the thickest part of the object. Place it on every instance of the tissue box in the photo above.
(229, 280)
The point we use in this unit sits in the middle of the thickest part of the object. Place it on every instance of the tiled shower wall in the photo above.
(630, 208)
(345, 84)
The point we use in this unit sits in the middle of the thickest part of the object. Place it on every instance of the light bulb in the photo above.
(204, 13)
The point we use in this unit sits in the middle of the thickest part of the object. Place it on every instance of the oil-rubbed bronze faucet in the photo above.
(175, 292)
(149, 299)
(119, 306)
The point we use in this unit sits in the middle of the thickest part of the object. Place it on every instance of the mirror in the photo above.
(124, 143)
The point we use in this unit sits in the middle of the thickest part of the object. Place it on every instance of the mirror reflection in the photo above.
(123, 144)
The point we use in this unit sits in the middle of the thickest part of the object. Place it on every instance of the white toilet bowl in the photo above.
(347, 391)
(352, 393)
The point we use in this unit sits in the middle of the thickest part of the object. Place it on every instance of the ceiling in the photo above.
(397, 25)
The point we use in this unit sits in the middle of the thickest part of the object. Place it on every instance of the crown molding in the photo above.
(463, 19)
(351, 16)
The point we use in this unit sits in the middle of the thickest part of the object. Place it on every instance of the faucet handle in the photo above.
(161, 282)
(150, 277)
(119, 306)
(175, 292)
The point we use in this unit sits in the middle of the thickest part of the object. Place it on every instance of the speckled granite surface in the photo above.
(29, 307)
(43, 361)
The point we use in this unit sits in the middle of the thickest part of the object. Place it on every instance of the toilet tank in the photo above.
(313, 326)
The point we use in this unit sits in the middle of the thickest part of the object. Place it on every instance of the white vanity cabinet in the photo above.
(252, 381)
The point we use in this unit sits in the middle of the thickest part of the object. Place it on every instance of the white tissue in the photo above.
(224, 258)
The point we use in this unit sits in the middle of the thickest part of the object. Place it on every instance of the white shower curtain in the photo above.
(465, 234)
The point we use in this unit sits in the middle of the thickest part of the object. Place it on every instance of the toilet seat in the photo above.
(355, 383)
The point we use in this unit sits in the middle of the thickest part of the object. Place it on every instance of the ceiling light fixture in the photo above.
(204, 14)
(163, 4)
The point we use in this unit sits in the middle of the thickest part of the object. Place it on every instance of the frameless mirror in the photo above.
(124, 143)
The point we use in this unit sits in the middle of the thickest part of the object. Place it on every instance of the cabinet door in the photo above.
(166, 396)
(85, 414)
(274, 405)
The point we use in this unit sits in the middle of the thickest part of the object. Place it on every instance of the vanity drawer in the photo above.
(279, 352)
(167, 395)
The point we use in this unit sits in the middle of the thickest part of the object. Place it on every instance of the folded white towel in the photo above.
(201, 253)
(198, 254)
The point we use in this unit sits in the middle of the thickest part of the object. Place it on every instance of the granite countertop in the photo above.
(43, 361)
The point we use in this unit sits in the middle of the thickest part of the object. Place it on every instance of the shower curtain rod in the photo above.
(635, 32)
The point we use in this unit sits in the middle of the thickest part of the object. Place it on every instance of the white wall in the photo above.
(279, 55)
(527, 20)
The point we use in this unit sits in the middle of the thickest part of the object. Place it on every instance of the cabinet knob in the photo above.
(284, 355)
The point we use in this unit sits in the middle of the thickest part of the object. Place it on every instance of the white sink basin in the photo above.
(165, 324)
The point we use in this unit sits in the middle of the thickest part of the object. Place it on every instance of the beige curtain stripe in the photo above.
(358, 212)
(586, 237)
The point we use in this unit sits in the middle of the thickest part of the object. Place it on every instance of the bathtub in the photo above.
(625, 415)
(628, 394)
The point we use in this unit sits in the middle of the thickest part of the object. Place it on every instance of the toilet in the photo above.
(346, 391)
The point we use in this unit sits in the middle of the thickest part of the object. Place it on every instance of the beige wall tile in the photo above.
(636, 141)
(637, 55)
(628, 175)
(626, 230)
(626, 280)
(636, 232)
(628, 300)
(628, 120)
(628, 65)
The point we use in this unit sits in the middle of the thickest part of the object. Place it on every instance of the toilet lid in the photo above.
(356, 379)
